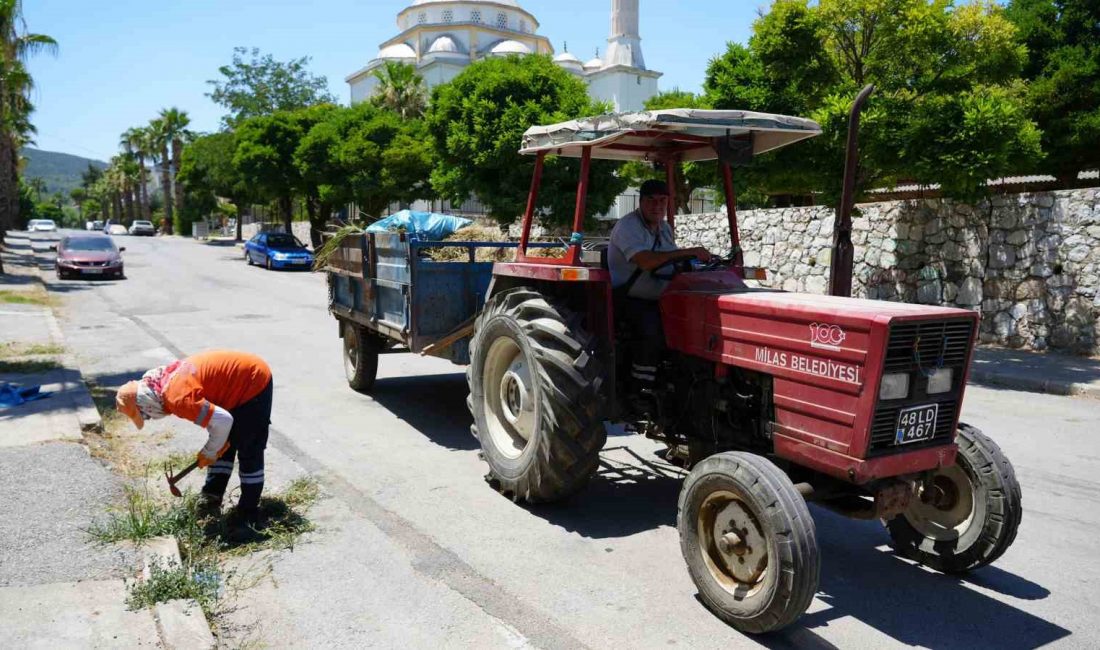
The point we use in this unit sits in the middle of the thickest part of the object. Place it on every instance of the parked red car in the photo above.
(88, 254)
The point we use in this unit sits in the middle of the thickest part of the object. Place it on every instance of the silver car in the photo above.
(143, 227)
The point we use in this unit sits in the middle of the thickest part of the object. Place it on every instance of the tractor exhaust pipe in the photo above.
(840, 270)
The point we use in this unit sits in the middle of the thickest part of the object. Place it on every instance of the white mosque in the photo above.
(441, 37)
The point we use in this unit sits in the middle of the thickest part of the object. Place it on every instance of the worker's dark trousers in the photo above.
(247, 441)
(644, 317)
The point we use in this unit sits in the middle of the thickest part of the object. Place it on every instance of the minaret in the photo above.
(624, 46)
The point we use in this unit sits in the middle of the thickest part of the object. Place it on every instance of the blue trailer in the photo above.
(388, 295)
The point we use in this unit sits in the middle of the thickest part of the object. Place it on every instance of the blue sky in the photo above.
(122, 61)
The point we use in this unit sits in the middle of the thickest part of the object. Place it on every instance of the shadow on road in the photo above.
(435, 405)
(910, 604)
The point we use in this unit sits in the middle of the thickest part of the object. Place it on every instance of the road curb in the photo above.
(181, 623)
(1035, 384)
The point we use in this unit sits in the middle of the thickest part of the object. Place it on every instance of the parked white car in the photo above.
(116, 229)
(41, 225)
(143, 227)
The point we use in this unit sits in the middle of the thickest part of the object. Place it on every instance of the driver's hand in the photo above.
(702, 254)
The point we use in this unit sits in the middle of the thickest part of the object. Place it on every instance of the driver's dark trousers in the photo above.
(644, 317)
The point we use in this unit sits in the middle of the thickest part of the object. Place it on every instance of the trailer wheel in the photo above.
(360, 357)
(968, 516)
(535, 396)
(749, 541)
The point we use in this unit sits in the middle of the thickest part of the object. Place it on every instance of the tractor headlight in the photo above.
(940, 381)
(894, 386)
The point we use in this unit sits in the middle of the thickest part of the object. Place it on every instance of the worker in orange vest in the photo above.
(229, 394)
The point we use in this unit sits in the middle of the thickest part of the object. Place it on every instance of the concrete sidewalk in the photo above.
(57, 589)
(1057, 374)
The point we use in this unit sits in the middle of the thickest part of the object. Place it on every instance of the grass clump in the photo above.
(323, 254)
(200, 582)
(143, 517)
(24, 298)
(28, 366)
(12, 349)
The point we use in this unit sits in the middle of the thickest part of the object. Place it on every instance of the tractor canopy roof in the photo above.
(677, 133)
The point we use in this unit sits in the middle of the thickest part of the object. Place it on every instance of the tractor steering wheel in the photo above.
(679, 265)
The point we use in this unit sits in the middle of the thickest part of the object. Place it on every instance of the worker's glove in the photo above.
(206, 461)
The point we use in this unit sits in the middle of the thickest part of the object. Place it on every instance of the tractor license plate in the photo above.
(916, 424)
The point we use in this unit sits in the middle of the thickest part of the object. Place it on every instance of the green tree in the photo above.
(174, 123)
(135, 141)
(262, 86)
(948, 107)
(160, 140)
(366, 155)
(265, 157)
(1063, 42)
(38, 186)
(207, 171)
(89, 176)
(16, 46)
(79, 195)
(477, 122)
(400, 89)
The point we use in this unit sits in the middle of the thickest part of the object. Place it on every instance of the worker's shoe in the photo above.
(242, 527)
(209, 505)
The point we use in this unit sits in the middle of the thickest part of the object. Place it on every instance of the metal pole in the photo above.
(582, 198)
(731, 214)
(840, 270)
(529, 213)
(670, 180)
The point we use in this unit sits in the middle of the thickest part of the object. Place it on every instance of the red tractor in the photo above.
(770, 399)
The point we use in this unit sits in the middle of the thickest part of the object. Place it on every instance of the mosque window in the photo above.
(422, 18)
(448, 16)
(502, 20)
(523, 26)
(475, 16)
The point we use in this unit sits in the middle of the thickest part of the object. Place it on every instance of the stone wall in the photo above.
(1029, 262)
(299, 228)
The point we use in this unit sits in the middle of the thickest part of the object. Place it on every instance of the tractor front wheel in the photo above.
(967, 515)
(535, 396)
(749, 541)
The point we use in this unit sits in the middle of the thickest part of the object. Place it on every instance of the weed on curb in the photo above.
(204, 543)
(25, 297)
(12, 349)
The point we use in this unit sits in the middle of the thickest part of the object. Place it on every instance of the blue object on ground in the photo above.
(12, 395)
(430, 226)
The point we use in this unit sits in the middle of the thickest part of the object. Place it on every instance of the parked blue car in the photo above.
(277, 250)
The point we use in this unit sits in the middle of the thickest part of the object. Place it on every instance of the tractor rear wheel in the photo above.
(969, 514)
(749, 541)
(535, 384)
(360, 357)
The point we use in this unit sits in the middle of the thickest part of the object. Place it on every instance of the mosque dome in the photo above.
(397, 51)
(444, 45)
(594, 63)
(569, 62)
(506, 3)
(505, 48)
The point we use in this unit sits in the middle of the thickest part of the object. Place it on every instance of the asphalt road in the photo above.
(416, 550)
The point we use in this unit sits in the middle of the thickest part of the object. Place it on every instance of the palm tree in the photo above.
(39, 186)
(400, 89)
(161, 139)
(79, 195)
(16, 46)
(175, 126)
(135, 141)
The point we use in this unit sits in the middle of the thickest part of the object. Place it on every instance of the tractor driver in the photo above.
(641, 242)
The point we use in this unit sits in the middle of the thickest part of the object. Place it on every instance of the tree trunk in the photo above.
(286, 207)
(166, 187)
(8, 216)
(143, 191)
(177, 186)
(317, 223)
(128, 199)
(240, 216)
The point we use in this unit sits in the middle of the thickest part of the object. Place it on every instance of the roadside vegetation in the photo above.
(31, 297)
(149, 511)
(24, 359)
